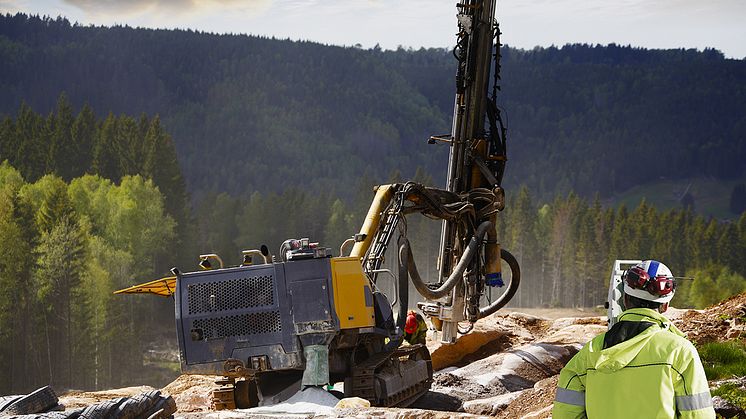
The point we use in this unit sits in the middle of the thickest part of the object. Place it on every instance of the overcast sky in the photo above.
(719, 24)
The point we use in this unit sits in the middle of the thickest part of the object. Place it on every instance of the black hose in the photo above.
(403, 300)
(515, 280)
(471, 249)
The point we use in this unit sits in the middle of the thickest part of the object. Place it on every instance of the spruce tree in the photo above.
(83, 135)
(106, 161)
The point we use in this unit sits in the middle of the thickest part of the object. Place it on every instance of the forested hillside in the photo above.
(250, 114)
(127, 151)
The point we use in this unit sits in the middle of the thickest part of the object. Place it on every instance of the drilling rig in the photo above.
(303, 318)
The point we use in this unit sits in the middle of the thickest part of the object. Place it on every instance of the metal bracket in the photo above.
(447, 139)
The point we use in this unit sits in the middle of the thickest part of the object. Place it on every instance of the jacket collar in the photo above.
(649, 315)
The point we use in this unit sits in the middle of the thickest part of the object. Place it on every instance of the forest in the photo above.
(248, 113)
(126, 152)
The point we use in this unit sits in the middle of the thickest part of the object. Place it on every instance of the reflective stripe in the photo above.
(694, 402)
(576, 398)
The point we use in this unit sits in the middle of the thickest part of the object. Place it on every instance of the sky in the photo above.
(719, 24)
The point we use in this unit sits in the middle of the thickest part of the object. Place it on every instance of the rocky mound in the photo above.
(724, 321)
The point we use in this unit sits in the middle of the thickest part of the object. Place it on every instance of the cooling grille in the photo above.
(233, 294)
(240, 325)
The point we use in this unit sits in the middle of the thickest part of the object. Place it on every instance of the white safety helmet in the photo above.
(650, 280)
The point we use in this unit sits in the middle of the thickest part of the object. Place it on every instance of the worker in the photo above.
(643, 367)
(415, 328)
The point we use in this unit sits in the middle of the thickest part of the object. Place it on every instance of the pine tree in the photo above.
(83, 135)
(727, 247)
(62, 150)
(106, 161)
(7, 131)
(162, 166)
(29, 144)
(130, 146)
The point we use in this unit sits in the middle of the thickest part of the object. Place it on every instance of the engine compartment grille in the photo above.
(233, 294)
(240, 325)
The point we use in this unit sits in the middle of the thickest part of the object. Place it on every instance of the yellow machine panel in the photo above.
(164, 287)
(353, 298)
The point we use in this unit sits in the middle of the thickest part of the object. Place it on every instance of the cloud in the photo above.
(9, 6)
(113, 8)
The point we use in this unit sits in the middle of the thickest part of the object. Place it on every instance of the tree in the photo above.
(713, 284)
(28, 142)
(83, 136)
(58, 276)
(14, 266)
(106, 160)
(62, 151)
(520, 234)
(7, 134)
(160, 163)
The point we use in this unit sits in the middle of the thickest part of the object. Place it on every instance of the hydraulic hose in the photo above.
(404, 258)
(471, 249)
(515, 280)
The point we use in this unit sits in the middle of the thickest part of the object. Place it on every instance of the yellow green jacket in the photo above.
(642, 368)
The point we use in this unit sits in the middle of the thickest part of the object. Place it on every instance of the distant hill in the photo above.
(249, 113)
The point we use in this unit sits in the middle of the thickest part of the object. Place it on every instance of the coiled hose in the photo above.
(405, 256)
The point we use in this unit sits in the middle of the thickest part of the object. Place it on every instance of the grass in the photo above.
(723, 359)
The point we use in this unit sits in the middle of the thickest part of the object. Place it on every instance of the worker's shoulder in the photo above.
(676, 339)
(678, 346)
(595, 344)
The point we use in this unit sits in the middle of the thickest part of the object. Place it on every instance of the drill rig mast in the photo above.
(469, 256)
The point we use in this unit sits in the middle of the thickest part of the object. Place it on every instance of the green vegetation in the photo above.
(712, 284)
(732, 393)
(69, 241)
(70, 145)
(566, 248)
(723, 359)
(253, 114)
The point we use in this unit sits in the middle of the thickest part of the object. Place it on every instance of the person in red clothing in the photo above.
(415, 328)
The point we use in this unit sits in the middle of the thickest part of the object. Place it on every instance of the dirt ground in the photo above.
(532, 343)
(533, 403)
(724, 321)
(558, 313)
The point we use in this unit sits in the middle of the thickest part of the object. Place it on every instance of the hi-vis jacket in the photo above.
(642, 368)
